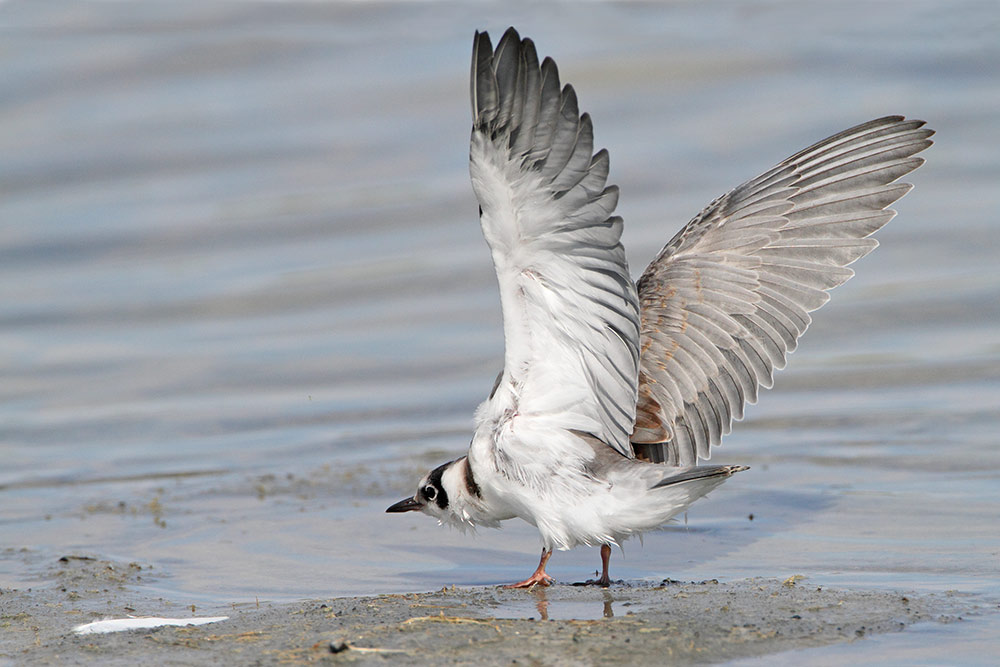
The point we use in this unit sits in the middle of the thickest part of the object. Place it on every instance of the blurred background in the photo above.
(245, 302)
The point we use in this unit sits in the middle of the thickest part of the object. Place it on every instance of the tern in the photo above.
(611, 391)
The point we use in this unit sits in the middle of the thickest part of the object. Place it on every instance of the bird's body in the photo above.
(612, 391)
(593, 495)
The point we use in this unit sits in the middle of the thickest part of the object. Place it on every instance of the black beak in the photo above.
(406, 505)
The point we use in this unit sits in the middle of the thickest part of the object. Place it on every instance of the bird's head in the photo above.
(446, 493)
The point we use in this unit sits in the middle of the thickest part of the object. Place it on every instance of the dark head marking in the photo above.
(470, 481)
(434, 491)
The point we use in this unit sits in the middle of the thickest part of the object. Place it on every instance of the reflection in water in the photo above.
(542, 603)
(608, 611)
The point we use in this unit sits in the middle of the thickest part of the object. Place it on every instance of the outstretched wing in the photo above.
(727, 298)
(571, 324)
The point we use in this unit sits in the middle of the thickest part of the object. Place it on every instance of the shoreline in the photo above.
(685, 622)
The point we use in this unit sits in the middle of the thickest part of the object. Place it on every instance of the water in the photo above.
(244, 301)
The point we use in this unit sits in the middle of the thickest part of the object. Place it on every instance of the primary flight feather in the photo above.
(612, 392)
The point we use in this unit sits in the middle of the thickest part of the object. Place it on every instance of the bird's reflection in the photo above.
(542, 603)
(608, 611)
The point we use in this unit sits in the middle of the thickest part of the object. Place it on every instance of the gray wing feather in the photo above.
(728, 297)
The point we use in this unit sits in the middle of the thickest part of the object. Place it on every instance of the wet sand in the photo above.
(685, 622)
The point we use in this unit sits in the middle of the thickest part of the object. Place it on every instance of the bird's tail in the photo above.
(698, 472)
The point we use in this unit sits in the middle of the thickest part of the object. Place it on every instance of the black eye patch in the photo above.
(434, 480)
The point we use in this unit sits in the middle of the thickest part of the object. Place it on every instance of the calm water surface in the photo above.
(245, 303)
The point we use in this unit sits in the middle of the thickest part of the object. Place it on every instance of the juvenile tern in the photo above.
(612, 391)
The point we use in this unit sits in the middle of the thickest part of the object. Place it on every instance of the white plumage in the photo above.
(611, 393)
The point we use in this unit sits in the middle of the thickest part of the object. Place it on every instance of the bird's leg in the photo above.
(539, 577)
(604, 580)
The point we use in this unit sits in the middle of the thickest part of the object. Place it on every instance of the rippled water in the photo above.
(244, 299)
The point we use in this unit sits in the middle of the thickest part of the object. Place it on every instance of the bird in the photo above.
(612, 391)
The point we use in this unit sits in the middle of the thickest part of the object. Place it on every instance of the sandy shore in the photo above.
(686, 622)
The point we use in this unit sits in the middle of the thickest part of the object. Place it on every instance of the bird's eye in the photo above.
(430, 492)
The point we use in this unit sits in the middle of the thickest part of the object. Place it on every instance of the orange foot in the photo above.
(539, 578)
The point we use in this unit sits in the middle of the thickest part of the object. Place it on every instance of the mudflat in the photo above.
(685, 622)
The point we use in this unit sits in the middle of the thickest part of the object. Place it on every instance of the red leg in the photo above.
(539, 577)
(605, 580)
